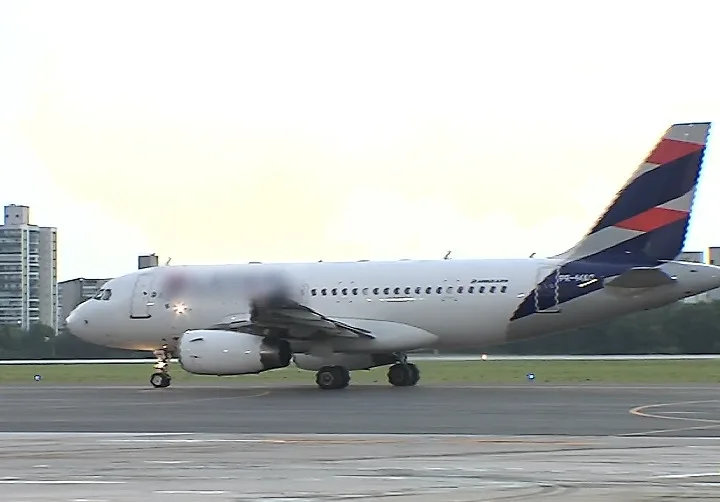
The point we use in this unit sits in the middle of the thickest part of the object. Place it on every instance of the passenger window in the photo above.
(450, 289)
(324, 291)
(439, 290)
(334, 291)
(344, 291)
(417, 290)
(471, 289)
(396, 291)
(460, 289)
(481, 289)
(376, 291)
(313, 292)
(354, 291)
(365, 291)
(428, 290)
(386, 291)
(407, 291)
(492, 289)
(107, 294)
(503, 289)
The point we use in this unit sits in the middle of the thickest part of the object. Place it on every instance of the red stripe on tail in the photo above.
(652, 219)
(670, 149)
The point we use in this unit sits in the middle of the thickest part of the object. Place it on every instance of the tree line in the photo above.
(680, 328)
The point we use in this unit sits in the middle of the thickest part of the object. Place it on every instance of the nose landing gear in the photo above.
(161, 378)
(403, 374)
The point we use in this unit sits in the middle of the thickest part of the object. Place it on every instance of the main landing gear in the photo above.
(161, 378)
(402, 374)
(332, 377)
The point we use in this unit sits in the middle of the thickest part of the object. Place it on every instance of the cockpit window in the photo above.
(99, 294)
(107, 294)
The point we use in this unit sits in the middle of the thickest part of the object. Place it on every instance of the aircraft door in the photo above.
(547, 289)
(140, 301)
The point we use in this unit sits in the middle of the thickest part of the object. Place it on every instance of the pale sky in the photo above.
(227, 132)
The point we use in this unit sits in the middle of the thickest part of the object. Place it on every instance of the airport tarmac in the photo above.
(527, 442)
(364, 409)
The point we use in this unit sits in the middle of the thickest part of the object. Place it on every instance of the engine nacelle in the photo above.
(349, 361)
(211, 352)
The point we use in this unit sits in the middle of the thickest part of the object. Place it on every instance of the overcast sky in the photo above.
(215, 132)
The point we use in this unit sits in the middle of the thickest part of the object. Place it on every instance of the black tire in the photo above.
(332, 378)
(160, 380)
(403, 375)
(415, 374)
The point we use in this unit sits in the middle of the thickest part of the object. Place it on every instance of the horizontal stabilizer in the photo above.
(641, 277)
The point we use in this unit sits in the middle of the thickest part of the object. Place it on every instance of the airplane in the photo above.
(338, 317)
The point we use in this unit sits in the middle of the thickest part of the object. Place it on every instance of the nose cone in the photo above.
(76, 324)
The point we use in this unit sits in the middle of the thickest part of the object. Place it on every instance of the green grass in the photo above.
(433, 372)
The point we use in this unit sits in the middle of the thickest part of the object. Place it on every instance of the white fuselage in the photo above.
(458, 303)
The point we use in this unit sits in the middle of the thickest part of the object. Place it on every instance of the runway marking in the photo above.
(172, 462)
(640, 411)
(682, 476)
(40, 435)
(679, 429)
(191, 492)
(524, 441)
(58, 482)
(264, 441)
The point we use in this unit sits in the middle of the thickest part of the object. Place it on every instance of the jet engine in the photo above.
(211, 352)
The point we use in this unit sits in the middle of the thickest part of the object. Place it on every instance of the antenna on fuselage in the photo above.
(532, 255)
(447, 255)
(168, 262)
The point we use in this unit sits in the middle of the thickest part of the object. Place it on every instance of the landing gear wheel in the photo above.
(160, 380)
(415, 374)
(332, 377)
(403, 375)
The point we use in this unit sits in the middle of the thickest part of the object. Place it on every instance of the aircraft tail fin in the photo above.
(647, 221)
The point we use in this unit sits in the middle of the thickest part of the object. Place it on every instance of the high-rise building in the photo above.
(73, 292)
(28, 271)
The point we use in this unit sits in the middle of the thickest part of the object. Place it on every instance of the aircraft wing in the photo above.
(291, 319)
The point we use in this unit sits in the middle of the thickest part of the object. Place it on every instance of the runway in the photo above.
(226, 443)
(372, 409)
